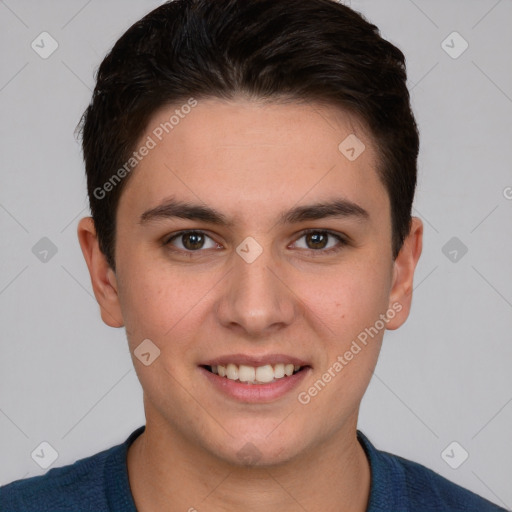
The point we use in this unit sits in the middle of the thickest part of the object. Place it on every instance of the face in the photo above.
(249, 243)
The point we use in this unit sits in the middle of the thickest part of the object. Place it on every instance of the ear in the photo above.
(103, 278)
(403, 273)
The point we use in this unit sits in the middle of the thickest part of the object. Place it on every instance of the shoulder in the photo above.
(96, 483)
(408, 485)
(78, 486)
(424, 487)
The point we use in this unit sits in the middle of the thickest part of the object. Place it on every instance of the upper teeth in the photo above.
(252, 375)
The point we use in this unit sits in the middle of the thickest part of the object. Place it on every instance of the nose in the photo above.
(256, 299)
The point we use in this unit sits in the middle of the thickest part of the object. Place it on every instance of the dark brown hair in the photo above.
(304, 50)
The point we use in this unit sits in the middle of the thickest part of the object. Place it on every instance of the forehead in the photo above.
(240, 155)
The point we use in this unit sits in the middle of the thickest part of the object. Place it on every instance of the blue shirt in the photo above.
(100, 483)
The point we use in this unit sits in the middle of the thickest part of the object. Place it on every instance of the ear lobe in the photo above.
(103, 278)
(403, 274)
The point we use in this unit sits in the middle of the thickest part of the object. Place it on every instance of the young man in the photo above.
(251, 167)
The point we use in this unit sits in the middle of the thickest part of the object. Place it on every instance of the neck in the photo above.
(170, 473)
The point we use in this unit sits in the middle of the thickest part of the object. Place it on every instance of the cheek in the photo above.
(164, 303)
(152, 299)
(351, 305)
(347, 300)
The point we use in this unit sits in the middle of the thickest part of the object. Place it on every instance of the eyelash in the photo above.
(342, 241)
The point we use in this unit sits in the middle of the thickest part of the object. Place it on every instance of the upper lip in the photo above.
(255, 360)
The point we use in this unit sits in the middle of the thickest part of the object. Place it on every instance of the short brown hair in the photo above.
(317, 50)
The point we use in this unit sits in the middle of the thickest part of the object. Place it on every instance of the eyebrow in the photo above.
(172, 208)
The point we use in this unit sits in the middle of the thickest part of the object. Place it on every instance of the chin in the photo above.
(262, 445)
(258, 455)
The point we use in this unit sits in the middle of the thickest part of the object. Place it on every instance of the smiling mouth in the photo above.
(255, 374)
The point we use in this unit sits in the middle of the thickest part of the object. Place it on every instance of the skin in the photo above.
(251, 162)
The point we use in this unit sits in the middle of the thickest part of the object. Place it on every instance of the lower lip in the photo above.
(256, 393)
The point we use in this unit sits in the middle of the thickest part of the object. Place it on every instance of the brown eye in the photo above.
(321, 242)
(317, 240)
(193, 241)
(190, 241)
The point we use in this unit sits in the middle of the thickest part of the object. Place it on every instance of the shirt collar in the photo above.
(386, 481)
(117, 484)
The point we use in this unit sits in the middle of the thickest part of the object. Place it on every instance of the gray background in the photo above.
(66, 378)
